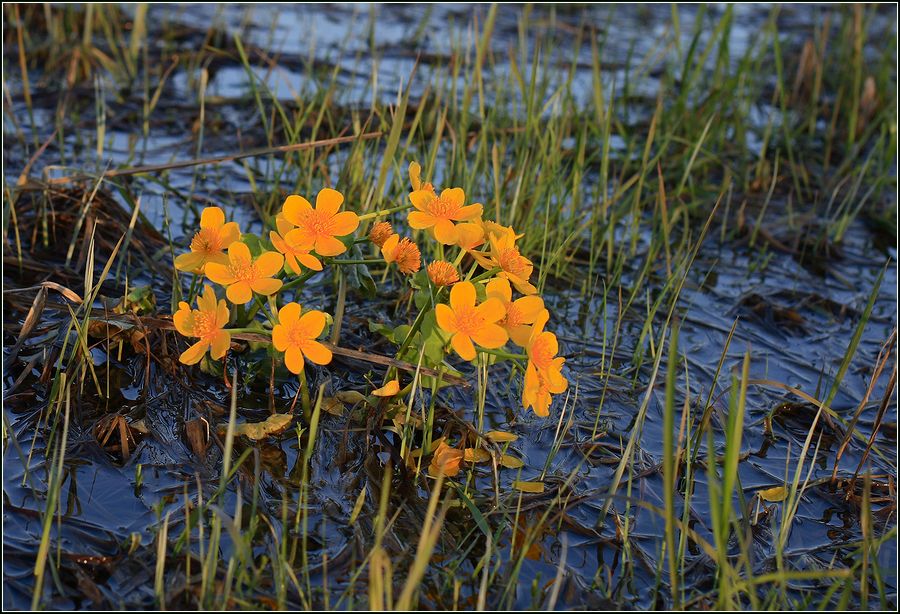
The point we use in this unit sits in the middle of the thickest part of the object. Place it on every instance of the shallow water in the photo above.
(796, 320)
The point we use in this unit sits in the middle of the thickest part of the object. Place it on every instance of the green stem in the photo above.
(363, 261)
(237, 331)
(503, 354)
(382, 212)
(487, 274)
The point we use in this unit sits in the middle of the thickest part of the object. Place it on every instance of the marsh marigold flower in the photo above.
(446, 460)
(415, 178)
(438, 213)
(467, 323)
(543, 375)
(442, 273)
(520, 314)
(296, 334)
(469, 235)
(294, 254)
(243, 275)
(206, 323)
(513, 266)
(318, 228)
(380, 233)
(209, 242)
(404, 252)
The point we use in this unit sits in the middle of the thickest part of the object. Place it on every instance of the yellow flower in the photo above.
(208, 244)
(388, 390)
(493, 229)
(446, 460)
(536, 393)
(380, 233)
(405, 253)
(542, 348)
(442, 273)
(439, 213)
(206, 323)
(519, 313)
(514, 266)
(317, 228)
(294, 254)
(467, 323)
(243, 276)
(296, 334)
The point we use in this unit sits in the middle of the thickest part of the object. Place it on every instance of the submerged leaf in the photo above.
(511, 462)
(775, 494)
(473, 455)
(500, 436)
(534, 487)
(260, 430)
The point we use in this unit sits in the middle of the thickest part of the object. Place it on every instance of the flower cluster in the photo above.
(475, 297)
(250, 269)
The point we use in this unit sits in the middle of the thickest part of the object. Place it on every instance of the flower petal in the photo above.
(344, 223)
(212, 217)
(519, 334)
(220, 344)
(239, 293)
(420, 199)
(207, 301)
(309, 261)
(293, 359)
(445, 318)
(239, 251)
(266, 286)
(191, 262)
(469, 212)
(530, 307)
(229, 233)
(317, 353)
(454, 196)
(223, 314)
(463, 346)
(329, 201)
(499, 288)
(415, 175)
(184, 321)
(194, 354)
(492, 310)
(269, 263)
(219, 273)
(289, 314)
(300, 238)
(329, 246)
(295, 208)
(463, 295)
(470, 235)
(490, 336)
(445, 232)
(388, 390)
(420, 220)
(280, 337)
(313, 323)
(283, 225)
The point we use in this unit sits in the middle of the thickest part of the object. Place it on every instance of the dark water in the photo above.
(797, 318)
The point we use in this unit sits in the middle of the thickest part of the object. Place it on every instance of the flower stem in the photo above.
(363, 261)
(503, 354)
(382, 212)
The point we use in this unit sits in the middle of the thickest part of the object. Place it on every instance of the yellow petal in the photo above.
(490, 336)
(499, 288)
(420, 199)
(239, 251)
(445, 318)
(219, 273)
(415, 175)
(269, 263)
(309, 261)
(390, 245)
(530, 307)
(266, 286)
(220, 344)
(469, 212)
(463, 346)
(317, 353)
(283, 225)
(194, 354)
(313, 323)
(280, 337)
(344, 223)
(492, 310)
(239, 293)
(329, 246)
(184, 322)
(289, 314)
(190, 262)
(329, 201)
(207, 301)
(212, 217)
(295, 209)
(223, 314)
(229, 233)
(454, 196)
(420, 220)
(445, 232)
(388, 390)
(463, 295)
(300, 238)
(293, 359)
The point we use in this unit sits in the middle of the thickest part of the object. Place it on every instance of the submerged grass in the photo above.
(779, 144)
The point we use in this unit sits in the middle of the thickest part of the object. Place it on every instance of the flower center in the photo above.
(243, 270)
(541, 354)
(468, 321)
(511, 261)
(442, 208)
(204, 324)
(207, 241)
(298, 336)
(318, 223)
